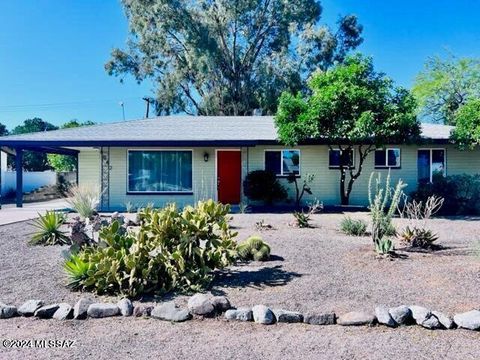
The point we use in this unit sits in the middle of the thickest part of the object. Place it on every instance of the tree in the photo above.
(65, 163)
(228, 57)
(349, 105)
(445, 85)
(33, 160)
(467, 130)
(3, 130)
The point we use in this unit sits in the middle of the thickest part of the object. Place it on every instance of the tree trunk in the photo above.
(344, 197)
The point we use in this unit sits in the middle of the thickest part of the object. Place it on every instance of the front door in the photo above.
(229, 176)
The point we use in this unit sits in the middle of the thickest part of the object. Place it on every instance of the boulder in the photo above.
(401, 314)
(384, 317)
(64, 311)
(170, 312)
(29, 307)
(431, 323)
(142, 310)
(468, 320)
(445, 321)
(284, 316)
(7, 311)
(424, 317)
(241, 314)
(46, 312)
(328, 318)
(220, 303)
(356, 318)
(263, 315)
(81, 307)
(125, 306)
(101, 310)
(200, 304)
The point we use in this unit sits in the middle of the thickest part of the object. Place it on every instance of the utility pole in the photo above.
(123, 109)
(148, 101)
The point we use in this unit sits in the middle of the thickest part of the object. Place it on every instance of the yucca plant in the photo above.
(354, 227)
(76, 270)
(48, 229)
(84, 200)
(254, 248)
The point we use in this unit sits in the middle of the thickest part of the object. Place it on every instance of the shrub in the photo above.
(261, 185)
(418, 237)
(173, 250)
(84, 200)
(77, 271)
(461, 193)
(353, 227)
(48, 229)
(302, 219)
(384, 202)
(254, 248)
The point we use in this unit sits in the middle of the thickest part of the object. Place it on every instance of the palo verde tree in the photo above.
(228, 57)
(348, 105)
(467, 130)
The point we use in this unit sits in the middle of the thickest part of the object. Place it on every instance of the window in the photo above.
(431, 163)
(160, 171)
(283, 162)
(387, 158)
(336, 156)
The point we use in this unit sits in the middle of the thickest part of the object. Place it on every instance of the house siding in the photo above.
(313, 159)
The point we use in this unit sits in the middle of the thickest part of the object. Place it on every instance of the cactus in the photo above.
(253, 248)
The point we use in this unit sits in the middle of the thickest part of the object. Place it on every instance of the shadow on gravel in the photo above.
(267, 276)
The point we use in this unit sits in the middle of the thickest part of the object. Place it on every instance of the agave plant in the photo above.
(418, 237)
(48, 229)
(384, 246)
(76, 270)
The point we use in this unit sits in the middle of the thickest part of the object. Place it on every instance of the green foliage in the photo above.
(173, 250)
(384, 202)
(467, 130)
(445, 85)
(76, 270)
(302, 220)
(228, 57)
(263, 186)
(84, 200)
(3, 130)
(354, 227)
(130, 207)
(384, 246)
(347, 105)
(461, 193)
(48, 229)
(243, 208)
(254, 248)
(418, 237)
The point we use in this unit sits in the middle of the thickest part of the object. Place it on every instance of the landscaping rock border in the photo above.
(203, 306)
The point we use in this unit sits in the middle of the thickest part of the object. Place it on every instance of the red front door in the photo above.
(229, 176)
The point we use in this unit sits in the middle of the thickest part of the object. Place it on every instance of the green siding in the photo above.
(313, 159)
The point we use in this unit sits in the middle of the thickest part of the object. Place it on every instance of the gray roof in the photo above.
(172, 130)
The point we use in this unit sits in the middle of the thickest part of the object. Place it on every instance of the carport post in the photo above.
(19, 171)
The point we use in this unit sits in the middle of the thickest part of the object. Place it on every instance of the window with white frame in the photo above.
(159, 171)
(337, 157)
(431, 163)
(387, 158)
(283, 162)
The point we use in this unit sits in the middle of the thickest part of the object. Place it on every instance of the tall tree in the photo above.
(467, 130)
(445, 85)
(228, 57)
(350, 104)
(64, 163)
(33, 160)
(3, 130)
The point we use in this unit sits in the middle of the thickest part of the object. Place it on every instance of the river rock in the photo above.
(220, 303)
(241, 314)
(64, 311)
(445, 321)
(328, 318)
(200, 304)
(125, 306)
(141, 310)
(356, 318)
(7, 311)
(384, 317)
(401, 314)
(285, 316)
(170, 312)
(101, 310)
(468, 320)
(46, 312)
(29, 307)
(263, 315)
(81, 307)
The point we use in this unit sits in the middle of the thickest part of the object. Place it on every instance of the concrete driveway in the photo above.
(10, 214)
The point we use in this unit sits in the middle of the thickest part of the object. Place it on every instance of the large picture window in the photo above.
(337, 157)
(431, 163)
(159, 171)
(283, 162)
(387, 158)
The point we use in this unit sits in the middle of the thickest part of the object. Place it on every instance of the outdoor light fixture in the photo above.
(205, 157)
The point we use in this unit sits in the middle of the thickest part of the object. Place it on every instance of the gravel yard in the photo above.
(311, 269)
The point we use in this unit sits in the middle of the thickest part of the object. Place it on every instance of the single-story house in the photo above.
(183, 159)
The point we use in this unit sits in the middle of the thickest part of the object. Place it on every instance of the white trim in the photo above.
(431, 157)
(281, 161)
(216, 170)
(386, 166)
(128, 191)
(354, 157)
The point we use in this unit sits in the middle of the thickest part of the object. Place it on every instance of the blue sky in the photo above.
(52, 52)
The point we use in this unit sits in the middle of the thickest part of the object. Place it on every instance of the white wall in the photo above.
(31, 180)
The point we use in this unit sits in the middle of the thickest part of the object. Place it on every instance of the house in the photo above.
(183, 159)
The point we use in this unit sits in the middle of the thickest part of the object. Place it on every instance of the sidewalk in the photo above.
(10, 214)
